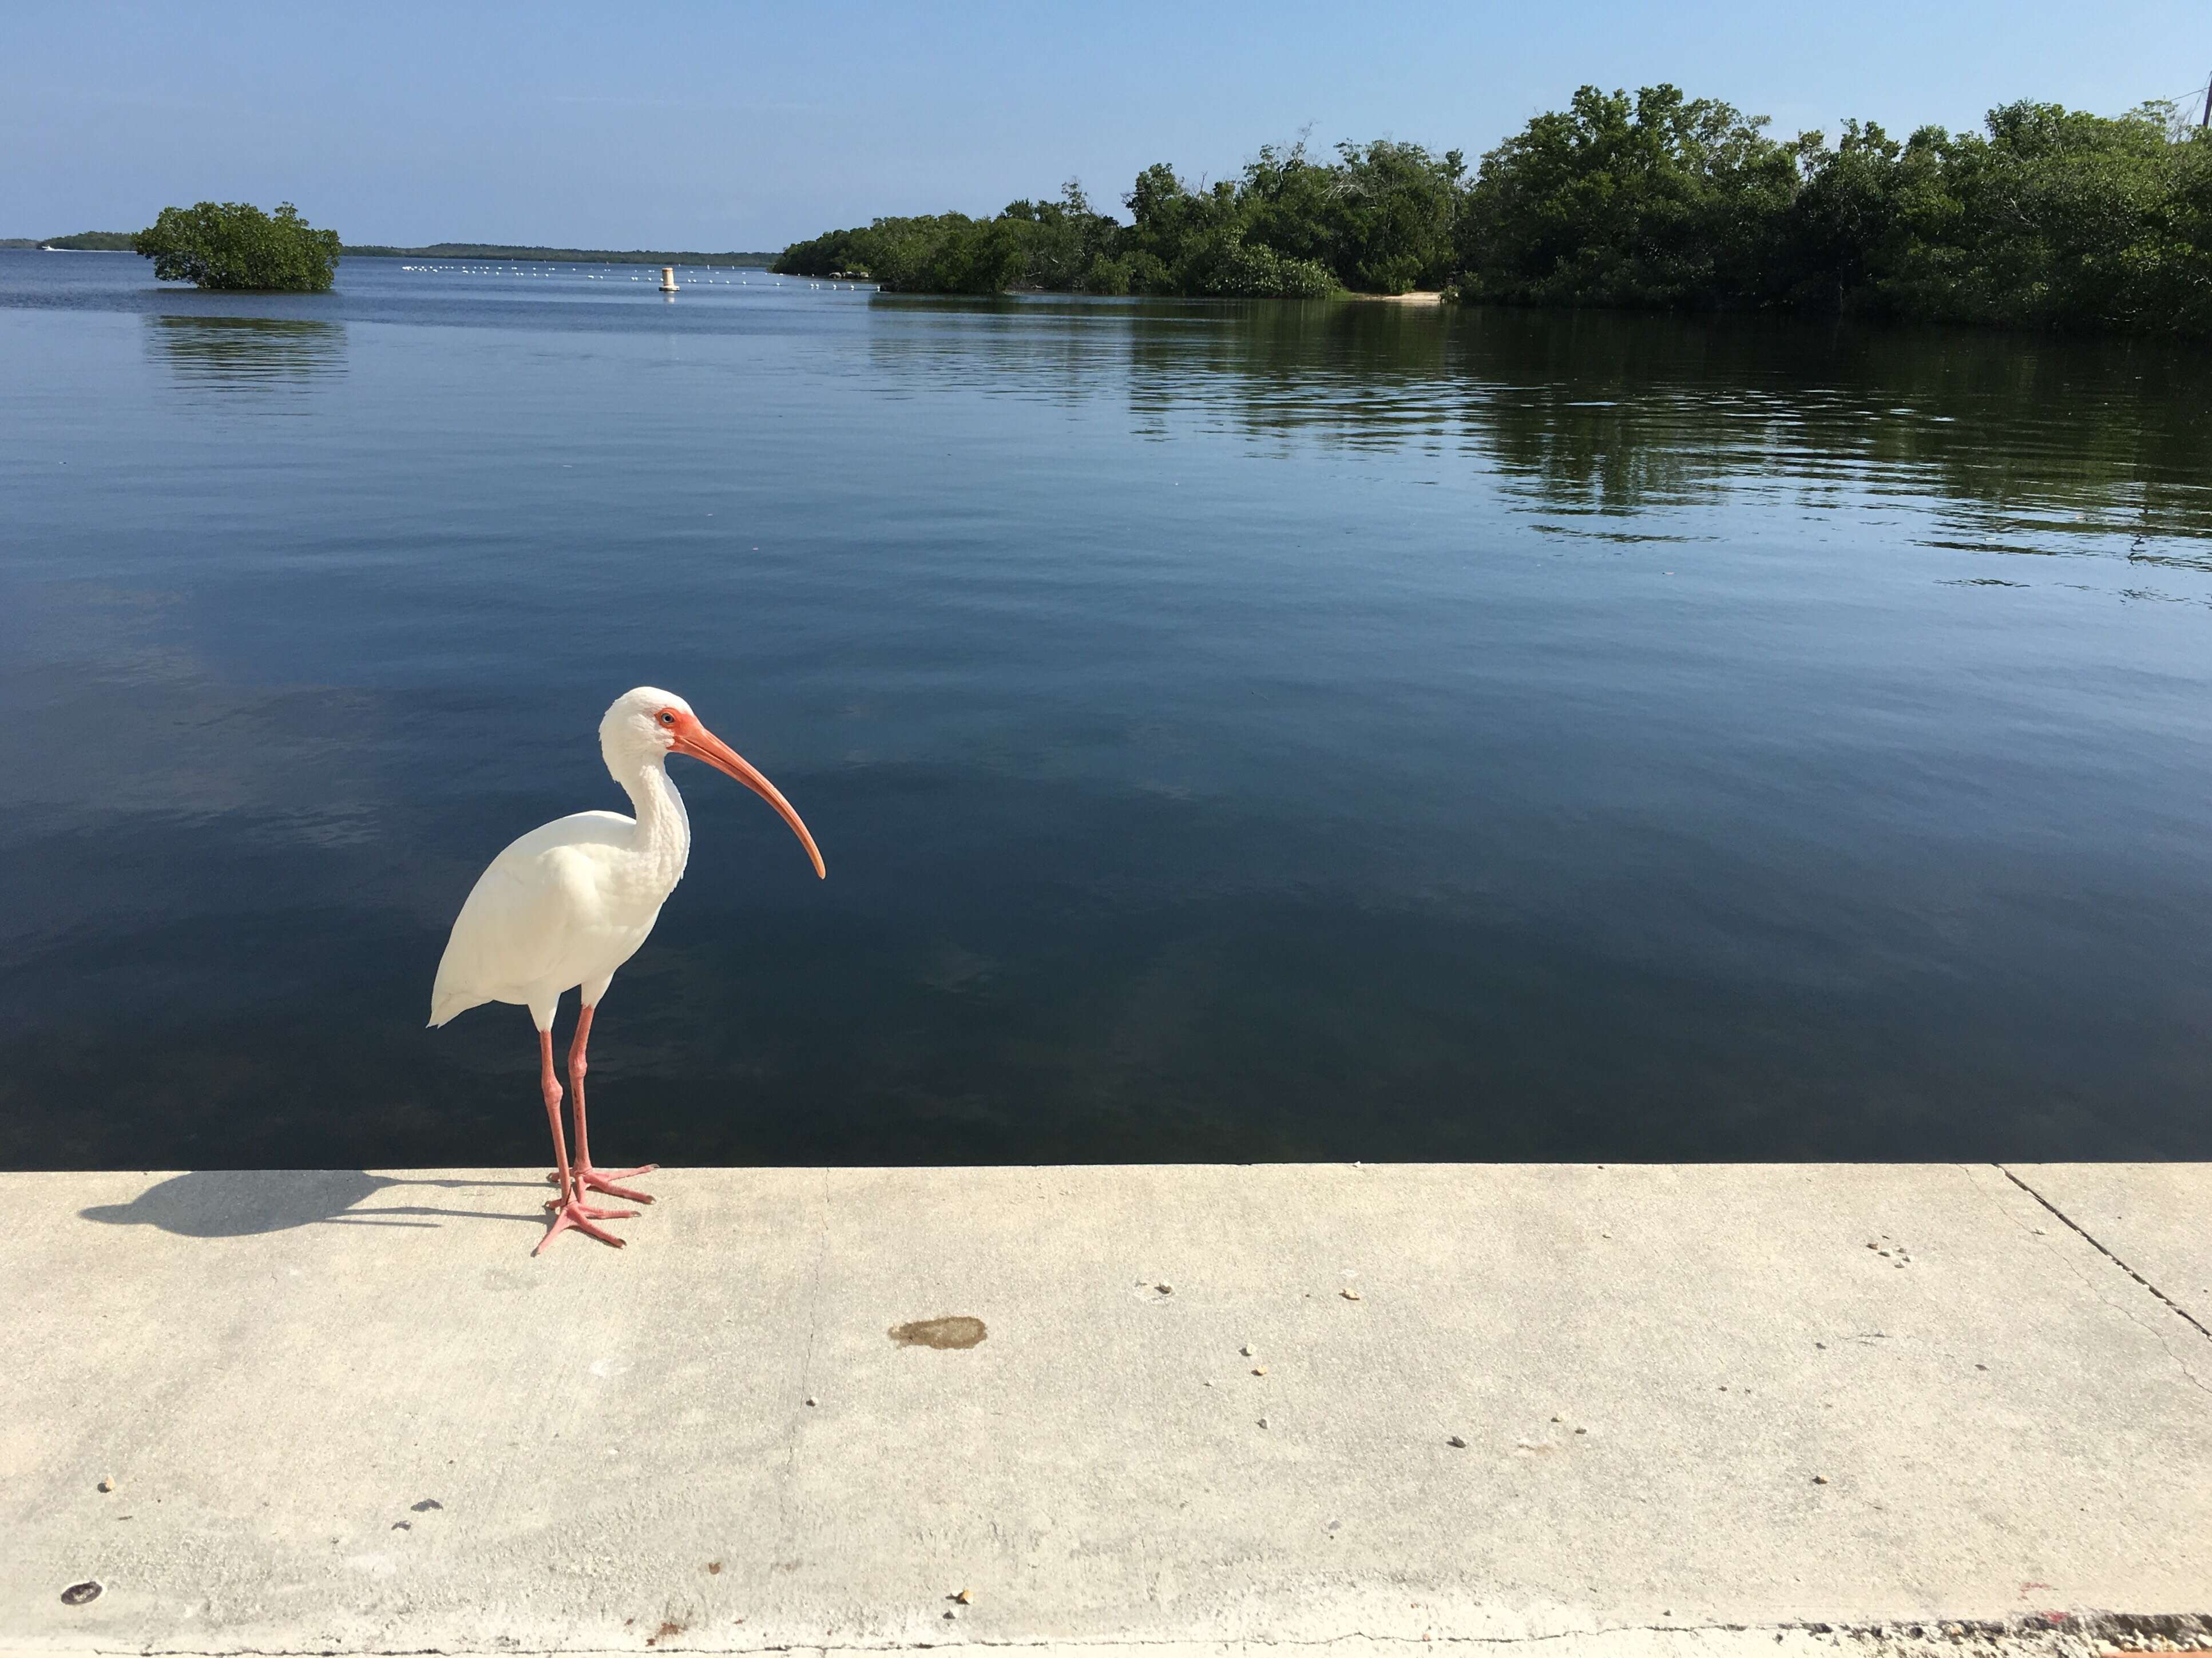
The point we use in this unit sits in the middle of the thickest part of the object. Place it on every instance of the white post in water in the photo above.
(668, 279)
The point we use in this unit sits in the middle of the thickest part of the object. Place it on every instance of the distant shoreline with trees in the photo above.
(2048, 218)
(85, 241)
(759, 261)
(120, 241)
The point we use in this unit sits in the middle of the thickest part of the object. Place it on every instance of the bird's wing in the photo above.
(525, 911)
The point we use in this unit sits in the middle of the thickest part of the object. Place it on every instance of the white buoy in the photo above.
(668, 279)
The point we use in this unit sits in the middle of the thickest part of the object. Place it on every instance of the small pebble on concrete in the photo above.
(1456, 1442)
(1165, 1289)
(1349, 1295)
(810, 1399)
(1246, 1349)
(1819, 1479)
(1263, 1421)
(108, 1484)
(1259, 1370)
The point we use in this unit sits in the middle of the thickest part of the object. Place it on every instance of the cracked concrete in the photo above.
(2149, 1219)
(2190, 1359)
(1705, 1411)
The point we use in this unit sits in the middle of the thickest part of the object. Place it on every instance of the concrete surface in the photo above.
(2151, 1216)
(346, 1411)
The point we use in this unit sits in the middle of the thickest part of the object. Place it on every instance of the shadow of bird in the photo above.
(233, 1203)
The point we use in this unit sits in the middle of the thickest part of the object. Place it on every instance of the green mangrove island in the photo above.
(235, 246)
(2047, 218)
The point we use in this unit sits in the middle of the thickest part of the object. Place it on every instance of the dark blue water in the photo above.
(1262, 731)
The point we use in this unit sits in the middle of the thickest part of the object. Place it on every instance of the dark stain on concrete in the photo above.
(957, 1332)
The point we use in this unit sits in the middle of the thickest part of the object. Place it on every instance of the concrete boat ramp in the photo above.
(1620, 1410)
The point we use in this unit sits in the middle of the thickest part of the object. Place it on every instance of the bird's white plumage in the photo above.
(572, 901)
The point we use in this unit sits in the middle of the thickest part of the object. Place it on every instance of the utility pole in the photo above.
(2205, 120)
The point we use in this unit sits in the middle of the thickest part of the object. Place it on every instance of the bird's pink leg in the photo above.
(588, 1178)
(567, 1209)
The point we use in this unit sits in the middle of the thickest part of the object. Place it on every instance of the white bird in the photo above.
(569, 902)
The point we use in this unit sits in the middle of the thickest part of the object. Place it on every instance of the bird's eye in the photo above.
(668, 716)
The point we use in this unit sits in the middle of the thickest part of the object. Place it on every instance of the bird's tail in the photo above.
(445, 1009)
(449, 1000)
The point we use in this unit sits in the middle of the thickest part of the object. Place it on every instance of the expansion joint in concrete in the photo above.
(2090, 1238)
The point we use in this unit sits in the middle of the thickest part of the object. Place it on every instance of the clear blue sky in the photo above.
(679, 125)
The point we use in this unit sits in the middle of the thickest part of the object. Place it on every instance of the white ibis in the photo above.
(569, 902)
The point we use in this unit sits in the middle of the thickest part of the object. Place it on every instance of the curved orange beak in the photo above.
(695, 740)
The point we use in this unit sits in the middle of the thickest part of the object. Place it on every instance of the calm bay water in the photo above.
(1235, 732)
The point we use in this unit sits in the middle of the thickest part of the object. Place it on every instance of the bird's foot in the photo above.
(593, 1180)
(569, 1214)
(553, 1205)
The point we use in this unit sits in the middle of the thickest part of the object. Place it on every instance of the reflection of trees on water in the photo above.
(248, 353)
(2011, 435)
(2021, 443)
(1365, 376)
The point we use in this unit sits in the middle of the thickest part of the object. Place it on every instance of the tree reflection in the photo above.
(2015, 442)
(248, 353)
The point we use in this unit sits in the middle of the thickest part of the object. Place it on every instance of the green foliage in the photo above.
(2055, 219)
(1063, 242)
(833, 253)
(235, 246)
(939, 253)
(2052, 219)
(1664, 201)
(1290, 227)
(1224, 264)
(1393, 209)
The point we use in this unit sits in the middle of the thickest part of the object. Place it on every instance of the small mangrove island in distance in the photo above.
(2048, 218)
(84, 242)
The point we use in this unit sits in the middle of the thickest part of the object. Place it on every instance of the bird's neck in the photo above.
(664, 829)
